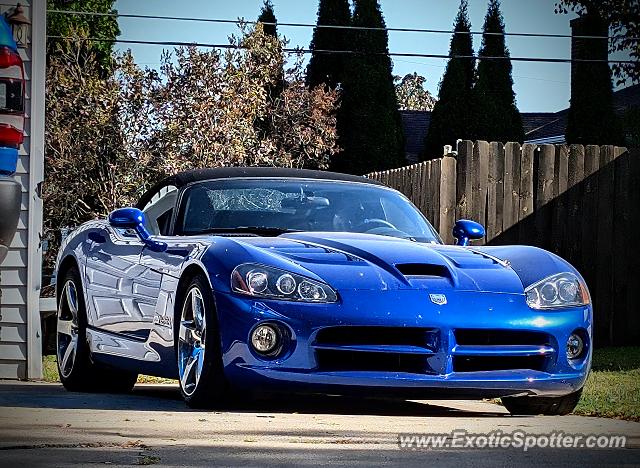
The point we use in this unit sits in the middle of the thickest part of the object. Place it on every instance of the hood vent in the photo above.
(423, 269)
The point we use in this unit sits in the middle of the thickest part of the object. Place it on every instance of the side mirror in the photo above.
(465, 230)
(133, 218)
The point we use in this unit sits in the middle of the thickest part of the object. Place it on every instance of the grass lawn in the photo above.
(613, 387)
(50, 373)
(612, 390)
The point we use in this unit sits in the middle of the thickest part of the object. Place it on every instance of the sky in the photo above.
(539, 87)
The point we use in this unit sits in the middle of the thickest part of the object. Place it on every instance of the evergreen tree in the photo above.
(328, 68)
(268, 16)
(592, 119)
(496, 116)
(450, 118)
(100, 27)
(369, 123)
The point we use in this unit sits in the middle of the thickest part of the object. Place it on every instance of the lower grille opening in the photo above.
(494, 363)
(333, 360)
(423, 337)
(489, 337)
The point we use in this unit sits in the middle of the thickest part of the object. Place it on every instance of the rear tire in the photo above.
(198, 348)
(78, 373)
(548, 406)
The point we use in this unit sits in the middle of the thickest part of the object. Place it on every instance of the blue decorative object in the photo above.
(8, 161)
(6, 35)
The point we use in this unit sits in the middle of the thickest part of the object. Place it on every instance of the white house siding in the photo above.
(20, 336)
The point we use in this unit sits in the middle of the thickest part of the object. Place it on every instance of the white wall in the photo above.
(20, 272)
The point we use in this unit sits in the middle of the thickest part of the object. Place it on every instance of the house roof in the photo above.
(544, 125)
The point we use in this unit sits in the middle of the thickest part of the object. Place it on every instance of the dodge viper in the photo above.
(263, 280)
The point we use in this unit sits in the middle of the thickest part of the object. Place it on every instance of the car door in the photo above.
(125, 277)
(116, 301)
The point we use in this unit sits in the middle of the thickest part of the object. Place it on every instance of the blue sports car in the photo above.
(244, 280)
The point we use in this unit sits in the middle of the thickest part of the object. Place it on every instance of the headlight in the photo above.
(268, 282)
(556, 291)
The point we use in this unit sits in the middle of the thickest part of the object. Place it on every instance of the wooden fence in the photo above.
(580, 202)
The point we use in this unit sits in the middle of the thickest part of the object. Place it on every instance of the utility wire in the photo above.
(328, 26)
(346, 52)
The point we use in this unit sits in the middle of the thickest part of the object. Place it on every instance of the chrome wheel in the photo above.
(191, 341)
(67, 328)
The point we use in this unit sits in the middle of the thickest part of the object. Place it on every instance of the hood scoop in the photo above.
(427, 275)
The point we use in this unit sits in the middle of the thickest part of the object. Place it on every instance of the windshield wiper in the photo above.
(258, 230)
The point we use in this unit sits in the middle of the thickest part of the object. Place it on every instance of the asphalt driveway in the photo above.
(42, 424)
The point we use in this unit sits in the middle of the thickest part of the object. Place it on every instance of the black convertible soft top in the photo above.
(195, 175)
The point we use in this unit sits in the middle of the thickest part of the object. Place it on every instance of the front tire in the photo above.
(78, 373)
(548, 406)
(202, 381)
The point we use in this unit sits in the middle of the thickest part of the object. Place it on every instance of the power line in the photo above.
(346, 52)
(329, 26)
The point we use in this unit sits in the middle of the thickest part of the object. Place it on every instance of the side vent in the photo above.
(423, 269)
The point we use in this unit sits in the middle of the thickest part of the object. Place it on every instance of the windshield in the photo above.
(274, 206)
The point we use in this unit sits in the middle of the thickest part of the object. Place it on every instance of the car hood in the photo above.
(348, 261)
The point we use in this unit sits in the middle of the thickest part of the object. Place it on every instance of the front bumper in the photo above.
(441, 367)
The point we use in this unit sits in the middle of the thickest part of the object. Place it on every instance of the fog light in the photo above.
(575, 346)
(265, 339)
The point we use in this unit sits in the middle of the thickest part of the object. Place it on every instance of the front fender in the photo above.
(531, 264)
(224, 254)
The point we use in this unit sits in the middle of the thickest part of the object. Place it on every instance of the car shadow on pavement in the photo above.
(167, 398)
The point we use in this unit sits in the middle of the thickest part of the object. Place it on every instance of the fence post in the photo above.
(575, 165)
(575, 190)
(561, 170)
(526, 181)
(447, 198)
(545, 190)
(436, 182)
(622, 311)
(428, 178)
(479, 172)
(463, 180)
(512, 163)
(495, 190)
(559, 213)
(411, 173)
(545, 183)
(604, 288)
(419, 187)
